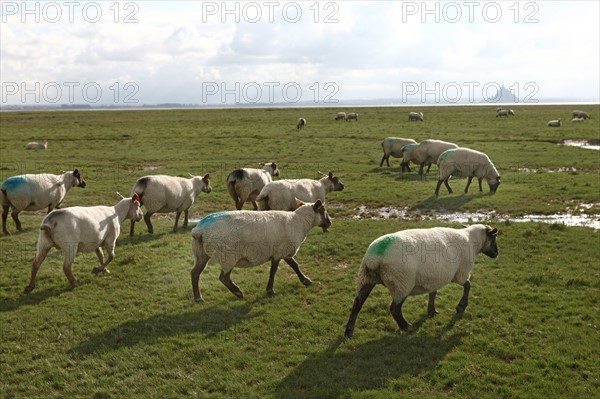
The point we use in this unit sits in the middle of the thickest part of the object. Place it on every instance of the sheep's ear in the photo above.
(206, 177)
(465, 226)
(120, 196)
(273, 165)
(330, 174)
(76, 172)
(492, 231)
(298, 203)
(191, 175)
(317, 205)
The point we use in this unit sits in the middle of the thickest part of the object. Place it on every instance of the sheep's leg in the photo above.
(15, 216)
(383, 159)
(70, 252)
(437, 188)
(428, 167)
(361, 297)
(469, 180)
(448, 185)
(132, 228)
(147, 217)
(198, 268)
(226, 279)
(274, 267)
(421, 166)
(294, 265)
(431, 305)
(35, 267)
(5, 209)
(480, 188)
(396, 310)
(103, 265)
(186, 218)
(464, 301)
(177, 215)
(254, 204)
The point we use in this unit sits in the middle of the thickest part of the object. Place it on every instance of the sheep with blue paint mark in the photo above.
(248, 238)
(83, 229)
(164, 194)
(392, 146)
(420, 261)
(282, 194)
(465, 162)
(244, 184)
(32, 192)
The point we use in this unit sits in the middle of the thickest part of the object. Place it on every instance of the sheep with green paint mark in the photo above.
(420, 261)
(465, 162)
(32, 192)
(248, 238)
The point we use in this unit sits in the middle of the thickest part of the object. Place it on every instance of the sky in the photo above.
(131, 53)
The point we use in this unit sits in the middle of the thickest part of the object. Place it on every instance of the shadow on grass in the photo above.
(336, 372)
(448, 201)
(202, 320)
(34, 298)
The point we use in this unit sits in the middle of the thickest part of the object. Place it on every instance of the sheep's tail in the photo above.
(232, 179)
(370, 263)
(3, 198)
(139, 188)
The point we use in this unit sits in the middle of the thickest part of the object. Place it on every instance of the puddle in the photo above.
(150, 167)
(587, 144)
(568, 219)
(548, 170)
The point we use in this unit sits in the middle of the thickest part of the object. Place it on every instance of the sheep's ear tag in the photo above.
(136, 197)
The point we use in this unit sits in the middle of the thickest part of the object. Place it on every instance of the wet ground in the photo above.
(587, 144)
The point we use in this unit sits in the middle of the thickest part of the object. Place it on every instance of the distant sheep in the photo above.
(83, 229)
(415, 116)
(247, 238)
(352, 116)
(341, 116)
(282, 194)
(504, 112)
(37, 146)
(554, 123)
(245, 184)
(581, 114)
(420, 261)
(464, 162)
(32, 192)
(392, 146)
(163, 194)
(428, 151)
(300, 123)
(577, 120)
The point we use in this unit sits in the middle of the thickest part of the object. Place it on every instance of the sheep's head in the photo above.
(494, 183)
(325, 220)
(490, 248)
(271, 168)
(207, 188)
(337, 183)
(78, 181)
(135, 211)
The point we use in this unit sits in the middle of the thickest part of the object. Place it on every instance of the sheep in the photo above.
(163, 194)
(392, 146)
(247, 238)
(409, 154)
(281, 194)
(581, 114)
(577, 120)
(419, 261)
(428, 151)
(32, 192)
(415, 116)
(245, 184)
(465, 162)
(83, 229)
(37, 146)
(504, 112)
(300, 123)
(340, 116)
(352, 116)
(554, 123)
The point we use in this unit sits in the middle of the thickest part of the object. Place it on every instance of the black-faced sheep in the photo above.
(504, 112)
(300, 123)
(415, 116)
(340, 116)
(464, 162)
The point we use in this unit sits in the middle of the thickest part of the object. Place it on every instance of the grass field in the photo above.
(532, 328)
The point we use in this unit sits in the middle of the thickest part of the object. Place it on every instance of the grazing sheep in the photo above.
(415, 116)
(282, 194)
(352, 116)
(37, 146)
(300, 123)
(83, 229)
(554, 123)
(340, 116)
(464, 162)
(428, 151)
(419, 261)
(409, 154)
(32, 192)
(392, 146)
(245, 184)
(504, 112)
(581, 114)
(164, 194)
(247, 238)
(577, 120)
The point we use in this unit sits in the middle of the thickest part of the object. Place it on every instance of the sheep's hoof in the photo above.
(461, 308)
(199, 299)
(348, 333)
(306, 281)
(432, 314)
(271, 292)
(6, 232)
(29, 288)
(404, 327)
(239, 294)
(97, 270)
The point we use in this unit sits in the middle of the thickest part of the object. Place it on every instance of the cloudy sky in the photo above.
(216, 52)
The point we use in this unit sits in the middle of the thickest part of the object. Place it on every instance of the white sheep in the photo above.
(300, 123)
(245, 184)
(34, 145)
(428, 151)
(504, 112)
(419, 261)
(282, 194)
(340, 116)
(164, 194)
(581, 114)
(32, 192)
(415, 116)
(392, 146)
(352, 116)
(83, 229)
(248, 238)
(465, 162)
(577, 119)
(409, 154)
(554, 123)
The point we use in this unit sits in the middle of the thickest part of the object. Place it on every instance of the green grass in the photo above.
(531, 328)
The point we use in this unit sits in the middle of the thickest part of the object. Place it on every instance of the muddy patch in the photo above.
(587, 144)
(567, 219)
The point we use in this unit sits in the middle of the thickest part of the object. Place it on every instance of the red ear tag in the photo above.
(136, 197)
